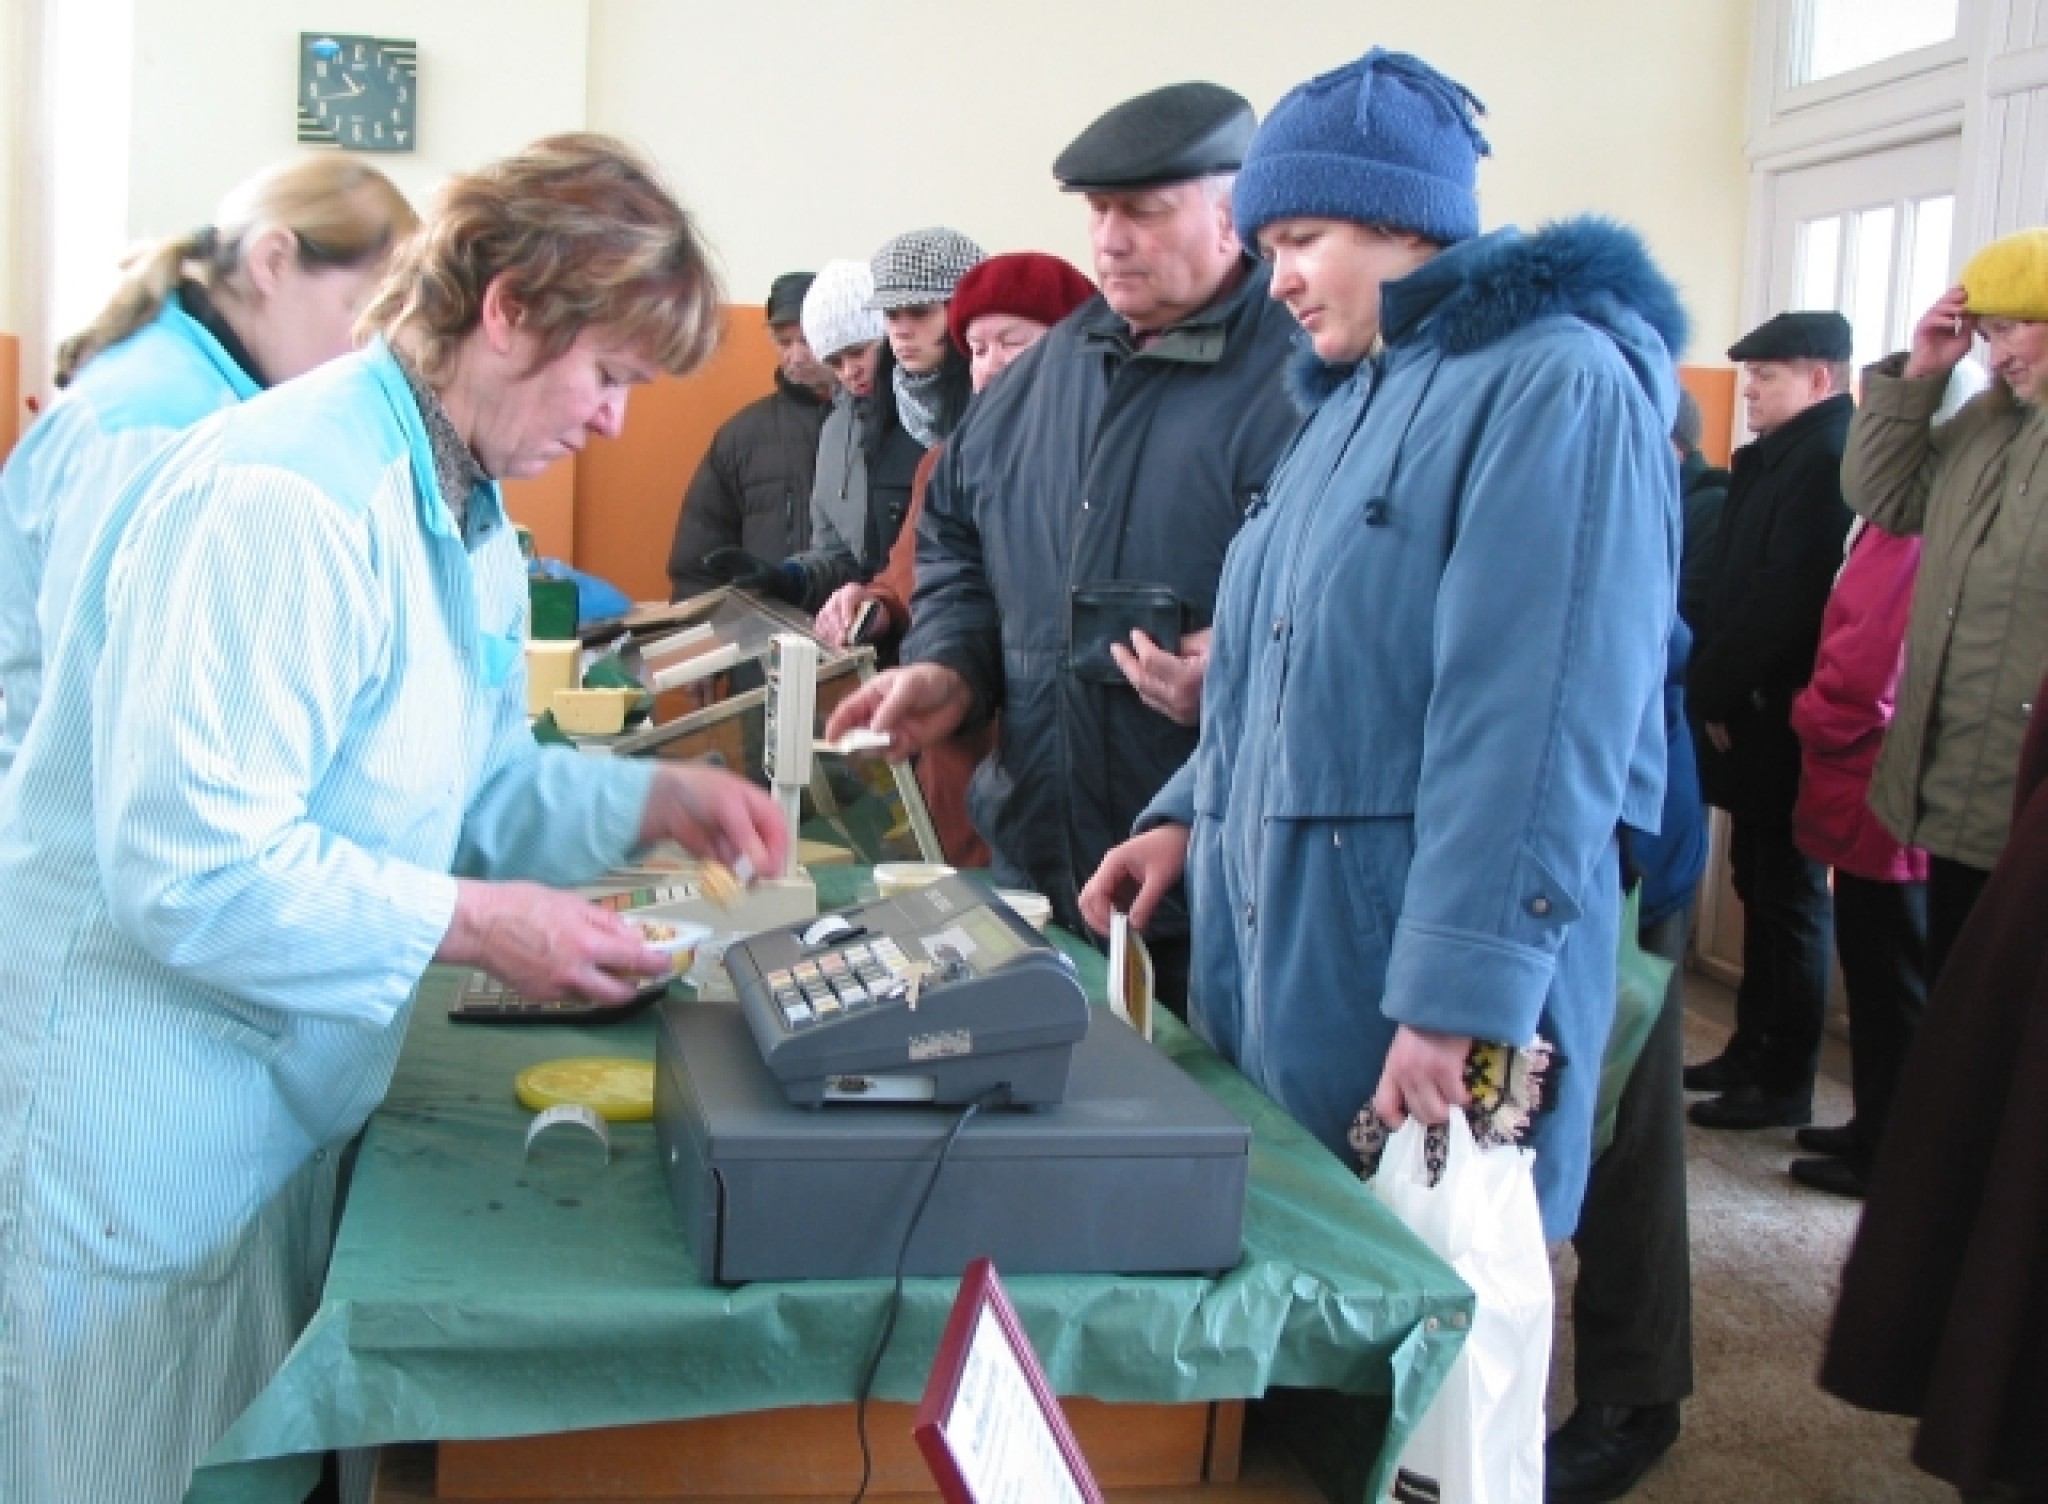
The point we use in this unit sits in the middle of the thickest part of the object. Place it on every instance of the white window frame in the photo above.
(1905, 98)
(1795, 24)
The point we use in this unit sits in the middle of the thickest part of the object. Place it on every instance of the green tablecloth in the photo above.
(477, 1294)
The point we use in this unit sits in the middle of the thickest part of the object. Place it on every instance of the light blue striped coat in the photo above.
(126, 404)
(289, 702)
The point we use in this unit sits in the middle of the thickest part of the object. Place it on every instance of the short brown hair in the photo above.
(585, 235)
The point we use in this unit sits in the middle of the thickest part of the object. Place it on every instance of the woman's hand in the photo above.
(1942, 337)
(1424, 1076)
(716, 815)
(547, 944)
(1145, 868)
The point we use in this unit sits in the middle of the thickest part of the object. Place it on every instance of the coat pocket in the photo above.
(146, 1147)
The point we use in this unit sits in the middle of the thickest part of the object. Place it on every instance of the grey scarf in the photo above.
(917, 404)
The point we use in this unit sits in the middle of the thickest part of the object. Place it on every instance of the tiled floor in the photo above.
(1766, 1253)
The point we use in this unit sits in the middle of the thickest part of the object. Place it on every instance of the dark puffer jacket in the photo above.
(1775, 560)
(753, 489)
(1091, 460)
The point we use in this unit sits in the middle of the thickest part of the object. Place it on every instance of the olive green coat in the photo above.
(1976, 489)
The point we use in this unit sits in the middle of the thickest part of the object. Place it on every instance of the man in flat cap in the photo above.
(1779, 546)
(753, 490)
(1074, 531)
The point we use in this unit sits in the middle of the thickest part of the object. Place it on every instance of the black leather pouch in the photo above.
(1108, 611)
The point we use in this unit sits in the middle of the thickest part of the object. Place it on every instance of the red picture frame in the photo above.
(989, 1426)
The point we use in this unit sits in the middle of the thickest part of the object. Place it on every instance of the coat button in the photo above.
(1951, 613)
(1539, 906)
(1279, 627)
(1377, 512)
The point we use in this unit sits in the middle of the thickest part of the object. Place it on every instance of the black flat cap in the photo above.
(786, 297)
(1796, 336)
(1173, 134)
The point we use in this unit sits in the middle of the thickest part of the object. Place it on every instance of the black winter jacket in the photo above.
(753, 490)
(1702, 493)
(1091, 460)
(1775, 560)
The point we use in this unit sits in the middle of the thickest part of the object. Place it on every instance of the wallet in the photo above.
(1108, 611)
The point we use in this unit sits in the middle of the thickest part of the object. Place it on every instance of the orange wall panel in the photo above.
(547, 506)
(628, 490)
(11, 414)
(1713, 387)
(625, 492)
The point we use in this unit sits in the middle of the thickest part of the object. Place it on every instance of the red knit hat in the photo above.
(1029, 284)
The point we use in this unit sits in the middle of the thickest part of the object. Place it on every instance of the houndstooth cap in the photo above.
(922, 267)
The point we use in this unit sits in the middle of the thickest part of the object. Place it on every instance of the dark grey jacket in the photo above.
(1091, 461)
(753, 489)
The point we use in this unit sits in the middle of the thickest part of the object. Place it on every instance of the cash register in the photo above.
(801, 1127)
(941, 994)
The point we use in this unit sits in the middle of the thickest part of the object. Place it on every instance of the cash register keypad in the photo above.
(841, 981)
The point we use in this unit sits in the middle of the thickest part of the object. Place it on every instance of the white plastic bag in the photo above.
(1481, 1440)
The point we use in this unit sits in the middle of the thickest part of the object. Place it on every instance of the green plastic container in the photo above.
(553, 607)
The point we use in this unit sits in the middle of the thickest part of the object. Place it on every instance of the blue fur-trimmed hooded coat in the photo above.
(1435, 687)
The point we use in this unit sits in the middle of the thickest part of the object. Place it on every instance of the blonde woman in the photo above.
(282, 766)
(267, 292)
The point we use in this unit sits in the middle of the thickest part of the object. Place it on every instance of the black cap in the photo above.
(1173, 134)
(786, 297)
(1797, 336)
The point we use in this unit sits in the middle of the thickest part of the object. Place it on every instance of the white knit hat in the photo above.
(836, 313)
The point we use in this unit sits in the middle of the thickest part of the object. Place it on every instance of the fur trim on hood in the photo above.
(1473, 294)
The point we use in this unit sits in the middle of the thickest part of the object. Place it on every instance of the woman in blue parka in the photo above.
(199, 322)
(1434, 690)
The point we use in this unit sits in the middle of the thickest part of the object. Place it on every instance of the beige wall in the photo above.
(214, 99)
(803, 131)
(13, 39)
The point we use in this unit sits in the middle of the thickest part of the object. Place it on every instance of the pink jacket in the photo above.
(1841, 715)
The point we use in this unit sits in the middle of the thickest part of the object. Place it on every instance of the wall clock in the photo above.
(359, 93)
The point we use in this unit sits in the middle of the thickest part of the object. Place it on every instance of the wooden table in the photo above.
(1140, 1454)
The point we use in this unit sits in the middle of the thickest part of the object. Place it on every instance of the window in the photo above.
(90, 43)
(1838, 36)
(1881, 266)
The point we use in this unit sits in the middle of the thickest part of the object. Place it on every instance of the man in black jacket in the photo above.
(753, 490)
(1780, 544)
(1097, 485)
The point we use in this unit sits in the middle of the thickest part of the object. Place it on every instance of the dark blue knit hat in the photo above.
(1385, 141)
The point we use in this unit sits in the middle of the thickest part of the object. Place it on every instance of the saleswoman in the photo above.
(266, 292)
(288, 705)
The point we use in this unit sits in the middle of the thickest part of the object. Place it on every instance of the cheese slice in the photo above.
(620, 1091)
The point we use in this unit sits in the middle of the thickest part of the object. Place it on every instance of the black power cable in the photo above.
(990, 1098)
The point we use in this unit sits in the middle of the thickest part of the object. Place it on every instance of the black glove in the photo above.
(735, 566)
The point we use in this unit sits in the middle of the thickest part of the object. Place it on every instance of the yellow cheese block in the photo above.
(620, 1091)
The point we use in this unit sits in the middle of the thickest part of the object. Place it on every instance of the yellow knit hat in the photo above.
(2009, 278)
